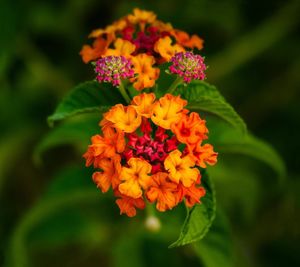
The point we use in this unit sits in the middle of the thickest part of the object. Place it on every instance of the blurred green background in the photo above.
(51, 214)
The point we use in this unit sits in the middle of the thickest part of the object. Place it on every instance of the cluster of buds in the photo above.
(188, 66)
(113, 69)
(151, 150)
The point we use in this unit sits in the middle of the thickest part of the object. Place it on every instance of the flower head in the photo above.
(112, 69)
(143, 153)
(147, 41)
(188, 66)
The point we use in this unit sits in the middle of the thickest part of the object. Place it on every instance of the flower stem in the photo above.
(152, 223)
(123, 92)
(174, 85)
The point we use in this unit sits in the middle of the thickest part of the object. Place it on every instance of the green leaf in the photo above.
(85, 98)
(199, 218)
(125, 246)
(244, 201)
(228, 140)
(72, 132)
(258, 149)
(216, 248)
(204, 97)
(71, 211)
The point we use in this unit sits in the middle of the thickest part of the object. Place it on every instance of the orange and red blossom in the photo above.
(104, 146)
(166, 49)
(163, 191)
(124, 119)
(181, 169)
(128, 205)
(190, 129)
(145, 155)
(146, 73)
(143, 104)
(168, 110)
(135, 177)
(144, 39)
(110, 174)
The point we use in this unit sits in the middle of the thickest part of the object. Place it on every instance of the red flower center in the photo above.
(152, 149)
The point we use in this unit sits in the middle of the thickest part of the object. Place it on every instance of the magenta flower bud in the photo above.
(188, 66)
(113, 69)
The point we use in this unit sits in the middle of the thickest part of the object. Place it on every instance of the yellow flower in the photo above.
(143, 104)
(142, 17)
(135, 177)
(181, 169)
(168, 110)
(163, 191)
(122, 48)
(118, 25)
(165, 48)
(146, 74)
(124, 118)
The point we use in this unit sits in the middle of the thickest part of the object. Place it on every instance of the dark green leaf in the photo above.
(204, 97)
(87, 97)
(245, 200)
(256, 148)
(216, 248)
(199, 218)
(228, 140)
(74, 132)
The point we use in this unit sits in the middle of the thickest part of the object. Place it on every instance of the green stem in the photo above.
(150, 210)
(174, 85)
(124, 93)
(152, 222)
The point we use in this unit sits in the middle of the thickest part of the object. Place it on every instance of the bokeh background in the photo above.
(252, 49)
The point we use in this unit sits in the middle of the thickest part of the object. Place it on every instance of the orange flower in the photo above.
(98, 49)
(128, 205)
(162, 191)
(204, 154)
(191, 194)
(111, 168)
(181, 169)
(185, 40)
(118, 25)
(124, 118)
(122, 48)
(104, 146)
(168, 110)
(143, 104)
(142, 17)
(165, 48)
(163, 27)
(190, 129)
(146, 74)
(135, 177)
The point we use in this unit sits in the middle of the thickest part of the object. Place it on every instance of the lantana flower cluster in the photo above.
(144, 40)
(151, 151)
